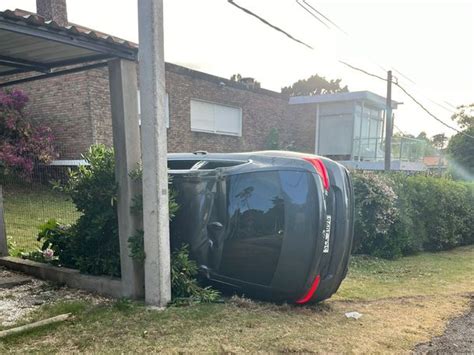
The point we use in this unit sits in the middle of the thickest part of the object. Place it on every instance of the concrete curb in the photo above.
(106, 286)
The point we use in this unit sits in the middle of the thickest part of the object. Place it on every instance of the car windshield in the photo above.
(256, 210)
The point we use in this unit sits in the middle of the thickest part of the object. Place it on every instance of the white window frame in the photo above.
(167, 109)
(214, 131)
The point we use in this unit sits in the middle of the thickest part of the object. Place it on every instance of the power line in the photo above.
(447, 103)
(442, 106)
(362, 70)
(320, 13)
(370, 74)
(410, 96)
(349, 65)
(429, 113)
(312, 14)
(403, 75)
(268, 23)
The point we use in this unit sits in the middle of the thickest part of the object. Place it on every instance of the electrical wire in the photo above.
(312, 14)
(321, 14)
(403, 75)
(268, 23)
(353, 67)
(431, 114)
(362, 70)
(410, 96)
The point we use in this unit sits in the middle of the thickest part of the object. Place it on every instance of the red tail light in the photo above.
(311, 291)
(321, 170)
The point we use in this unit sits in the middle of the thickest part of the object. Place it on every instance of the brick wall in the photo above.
(100, 110)
(77, 108)
(303, 118)
(261, 111)
(63, 104)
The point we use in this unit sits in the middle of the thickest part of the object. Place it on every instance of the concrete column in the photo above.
(3, 230)
(126, 134)
(154, 153)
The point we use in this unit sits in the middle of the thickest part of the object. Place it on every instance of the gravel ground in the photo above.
(458, 337)
(19, 301)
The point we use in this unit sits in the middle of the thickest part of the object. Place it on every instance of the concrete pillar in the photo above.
(154, 153)
(126, 134)
(3, 230)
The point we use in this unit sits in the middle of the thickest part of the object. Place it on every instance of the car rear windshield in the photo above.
(258, 203)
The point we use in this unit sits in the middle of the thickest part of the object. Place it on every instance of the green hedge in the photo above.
(398, 214)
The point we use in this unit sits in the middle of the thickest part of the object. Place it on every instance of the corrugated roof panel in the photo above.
(29, 43)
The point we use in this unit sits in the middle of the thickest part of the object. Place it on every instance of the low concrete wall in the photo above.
(106, 286)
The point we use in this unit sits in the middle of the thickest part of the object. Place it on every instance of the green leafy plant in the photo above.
(183, 280)
(12, 246)
(184, 271)
(58, 238)
(398, 214)
(92, 188)
(273, 140)
(92, 243)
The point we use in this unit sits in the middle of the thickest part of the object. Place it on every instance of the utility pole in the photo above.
(388, 123)
(154, 153)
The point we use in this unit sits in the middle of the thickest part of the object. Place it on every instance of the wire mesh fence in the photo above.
(30, 202)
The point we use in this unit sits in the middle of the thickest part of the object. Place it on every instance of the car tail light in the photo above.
(311, 291)
(321, 170)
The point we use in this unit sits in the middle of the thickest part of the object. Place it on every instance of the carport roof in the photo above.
(30, 43)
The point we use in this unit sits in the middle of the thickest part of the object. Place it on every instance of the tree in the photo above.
(461, 145)
(464, 116)
(461, 151)
(439, 140)
(314, 85)
(236, 77)
(250, 82)
(22, 143)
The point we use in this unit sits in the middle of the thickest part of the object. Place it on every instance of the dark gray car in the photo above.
(273, 225)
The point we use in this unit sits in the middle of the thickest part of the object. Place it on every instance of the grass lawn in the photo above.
(403, 302)
(29, 206)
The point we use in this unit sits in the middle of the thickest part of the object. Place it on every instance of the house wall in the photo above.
(77, 108)
(62, 103)
(261, 111)
(303, 126)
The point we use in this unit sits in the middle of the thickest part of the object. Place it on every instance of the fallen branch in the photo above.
(26, 327)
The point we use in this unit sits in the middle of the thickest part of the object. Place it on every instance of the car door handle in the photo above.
(215, 226)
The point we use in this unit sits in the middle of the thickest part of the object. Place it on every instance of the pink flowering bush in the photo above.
(22, 143)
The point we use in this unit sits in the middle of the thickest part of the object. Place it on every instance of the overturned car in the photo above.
(273, 225)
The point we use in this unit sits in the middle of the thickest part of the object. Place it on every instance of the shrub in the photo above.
(183, 280)
(22, 143)
(92, 243)
(400, 215)
(92, 187)
(58, 238)
(375, 213)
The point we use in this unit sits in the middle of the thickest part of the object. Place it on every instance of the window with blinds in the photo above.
(214, 118)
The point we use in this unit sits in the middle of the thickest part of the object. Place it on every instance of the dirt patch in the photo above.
(18, 302)
(458, 337)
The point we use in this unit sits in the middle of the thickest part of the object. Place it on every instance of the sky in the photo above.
(429, 42)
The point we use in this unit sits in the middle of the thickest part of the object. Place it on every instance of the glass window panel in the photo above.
(256, 211)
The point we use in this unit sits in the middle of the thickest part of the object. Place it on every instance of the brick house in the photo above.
(205, 112)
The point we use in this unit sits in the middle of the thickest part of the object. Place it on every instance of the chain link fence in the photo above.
(28, 203)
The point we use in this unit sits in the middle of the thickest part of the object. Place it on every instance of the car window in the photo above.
(256, 210)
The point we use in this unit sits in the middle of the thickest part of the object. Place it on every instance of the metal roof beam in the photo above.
(62, 63)
(60, 36)
(54, 74)
(23, 64)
